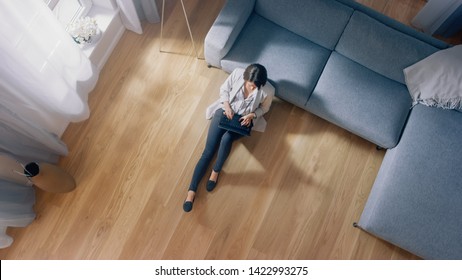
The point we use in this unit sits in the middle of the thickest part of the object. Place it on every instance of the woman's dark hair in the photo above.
(256, 73)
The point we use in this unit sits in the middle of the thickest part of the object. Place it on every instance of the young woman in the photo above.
(242, 93)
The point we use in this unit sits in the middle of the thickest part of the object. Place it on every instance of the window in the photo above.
(69, 10)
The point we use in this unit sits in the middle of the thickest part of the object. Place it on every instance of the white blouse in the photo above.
(240, 105)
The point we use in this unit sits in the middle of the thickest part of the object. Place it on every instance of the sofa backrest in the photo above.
(381, 48)
(395, 24)
(320, 21)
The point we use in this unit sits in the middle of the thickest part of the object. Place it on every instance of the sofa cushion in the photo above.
(416, 200)
(380, 47)
(361, 101)
(294, 64)
(311, 19)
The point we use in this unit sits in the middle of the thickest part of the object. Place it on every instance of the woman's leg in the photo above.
(225, 148)
(214, 137)
(223, 152)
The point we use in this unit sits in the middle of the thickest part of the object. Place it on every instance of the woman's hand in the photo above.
(247, 119)
(228, 111)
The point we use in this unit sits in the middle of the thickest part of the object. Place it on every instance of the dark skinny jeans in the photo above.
(217, 139)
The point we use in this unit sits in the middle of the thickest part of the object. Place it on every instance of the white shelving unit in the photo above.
(112, 29)
(107, 15)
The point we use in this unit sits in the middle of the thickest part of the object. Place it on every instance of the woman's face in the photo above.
(250, 86)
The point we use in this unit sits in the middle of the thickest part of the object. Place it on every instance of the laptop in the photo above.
(234, 125)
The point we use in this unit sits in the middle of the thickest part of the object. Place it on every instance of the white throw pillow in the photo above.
(436, 80)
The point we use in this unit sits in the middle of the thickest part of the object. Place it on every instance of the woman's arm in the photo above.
(265, 104)
(227, 86)
(226, 89)
(262, 108)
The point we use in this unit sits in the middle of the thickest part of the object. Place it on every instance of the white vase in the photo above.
(49, 177)
(90, 41)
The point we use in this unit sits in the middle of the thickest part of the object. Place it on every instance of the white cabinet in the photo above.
(112, 29)
(110, 24)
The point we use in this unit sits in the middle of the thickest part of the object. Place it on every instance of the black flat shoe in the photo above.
(188, 205)
(211, 185)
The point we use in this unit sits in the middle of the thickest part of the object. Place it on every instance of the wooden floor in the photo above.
(290, 193)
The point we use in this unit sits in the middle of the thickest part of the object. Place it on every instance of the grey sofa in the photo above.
(416, 200)
(344, 62)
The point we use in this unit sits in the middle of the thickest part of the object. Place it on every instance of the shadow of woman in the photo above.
(270, 154)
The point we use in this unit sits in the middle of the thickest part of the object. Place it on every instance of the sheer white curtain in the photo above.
(45, 79)
(17, 198)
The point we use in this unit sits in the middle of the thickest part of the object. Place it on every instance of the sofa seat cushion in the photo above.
(361, 101)
(311, 19)
(380, 47)
(416, 200)
(294, 64)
